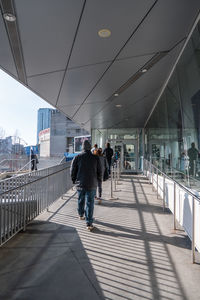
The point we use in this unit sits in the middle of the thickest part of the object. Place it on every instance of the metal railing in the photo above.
(13, 164)
(156, 177)
(24, 197)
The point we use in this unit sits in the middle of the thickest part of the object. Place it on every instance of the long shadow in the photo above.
(178, 241)
(152, 267)
(131, 205)
(48, 261)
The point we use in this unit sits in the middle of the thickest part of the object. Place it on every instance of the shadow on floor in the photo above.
(47, 261)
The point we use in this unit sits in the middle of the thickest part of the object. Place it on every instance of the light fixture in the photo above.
(144, 70)
(104, 33)
(118, 105)
(9, 17)
(116, 94)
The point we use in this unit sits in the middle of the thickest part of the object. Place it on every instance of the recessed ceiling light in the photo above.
(118, 105)
(104, 33)
(144, 70)
(9, 17)
(116, 94)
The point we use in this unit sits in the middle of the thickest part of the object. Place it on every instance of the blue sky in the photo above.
(18, 109)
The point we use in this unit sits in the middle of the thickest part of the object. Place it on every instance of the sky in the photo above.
(18, 109)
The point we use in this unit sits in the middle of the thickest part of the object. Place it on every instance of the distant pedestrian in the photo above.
(108, 153)
(193, 157)
(95, 148)
(104, 164)
(34, 161)
(86, 172)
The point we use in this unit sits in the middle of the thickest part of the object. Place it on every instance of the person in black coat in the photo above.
(108, 153)
(86, 172)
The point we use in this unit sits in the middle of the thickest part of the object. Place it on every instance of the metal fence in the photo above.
(182, 202)
(24, 197)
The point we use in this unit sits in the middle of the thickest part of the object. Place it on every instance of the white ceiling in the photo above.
(65, 61)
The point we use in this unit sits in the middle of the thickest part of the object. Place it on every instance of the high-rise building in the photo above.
(44, 120)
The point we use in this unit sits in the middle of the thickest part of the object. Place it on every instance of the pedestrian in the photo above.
(108, 153)
(193, 157)
(34, 161)
(86, 172)
(103, 162)
(95, 148)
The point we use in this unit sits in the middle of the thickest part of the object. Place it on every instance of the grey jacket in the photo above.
(86, 170)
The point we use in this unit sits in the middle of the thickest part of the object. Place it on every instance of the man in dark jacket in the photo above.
(86, 171)
(108, 153)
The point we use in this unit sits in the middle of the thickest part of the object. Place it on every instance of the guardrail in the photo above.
(182, 202)
(24, 197)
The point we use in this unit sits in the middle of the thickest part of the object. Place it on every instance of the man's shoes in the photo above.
(81, 217)
(90, 227)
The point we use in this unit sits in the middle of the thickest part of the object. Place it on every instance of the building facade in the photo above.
(59, 137)
(43, 120)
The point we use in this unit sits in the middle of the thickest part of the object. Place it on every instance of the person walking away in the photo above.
(86, 172)
(103, 168)
(108, 153)
(33, 161)
(193, 156)
(95, 148)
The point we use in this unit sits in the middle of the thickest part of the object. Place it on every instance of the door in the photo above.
(127, 152)
(130, 157)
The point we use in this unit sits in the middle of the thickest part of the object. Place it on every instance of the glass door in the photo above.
(130, 157)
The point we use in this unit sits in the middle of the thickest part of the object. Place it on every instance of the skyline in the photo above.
(19, 107)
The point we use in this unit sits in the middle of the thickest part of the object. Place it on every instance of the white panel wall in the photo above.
(184, 200)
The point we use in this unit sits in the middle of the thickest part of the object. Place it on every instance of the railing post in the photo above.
(174, 206)
(163, 192)
(152, 177)
(157, 181)
(24, 227)
(193, 230)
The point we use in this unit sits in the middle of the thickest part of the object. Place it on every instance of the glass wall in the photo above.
(172, 135)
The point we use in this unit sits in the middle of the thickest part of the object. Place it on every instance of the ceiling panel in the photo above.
(47, 30)
(47, 86)
(88, 110)
(116, 76)
(139, 93)
(6, 58)
(68, 110)
(168, 23)
(79, 82)
(51, 32)
(120, 17)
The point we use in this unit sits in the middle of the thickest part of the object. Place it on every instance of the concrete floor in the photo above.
(131, 254)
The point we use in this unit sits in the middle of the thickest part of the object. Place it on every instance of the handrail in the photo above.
(62, 160)
(23, 167)
(24, 197)
(31, 181)
(178, 183)
(173, 201)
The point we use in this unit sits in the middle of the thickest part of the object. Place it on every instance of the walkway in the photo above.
(132, 253)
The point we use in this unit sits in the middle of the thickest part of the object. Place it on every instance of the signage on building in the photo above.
(44, 135)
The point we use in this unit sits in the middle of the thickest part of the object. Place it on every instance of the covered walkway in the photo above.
(131, 254)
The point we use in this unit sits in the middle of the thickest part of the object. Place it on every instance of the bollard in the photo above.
(118, 172)
(111, 186)
(115, 178)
